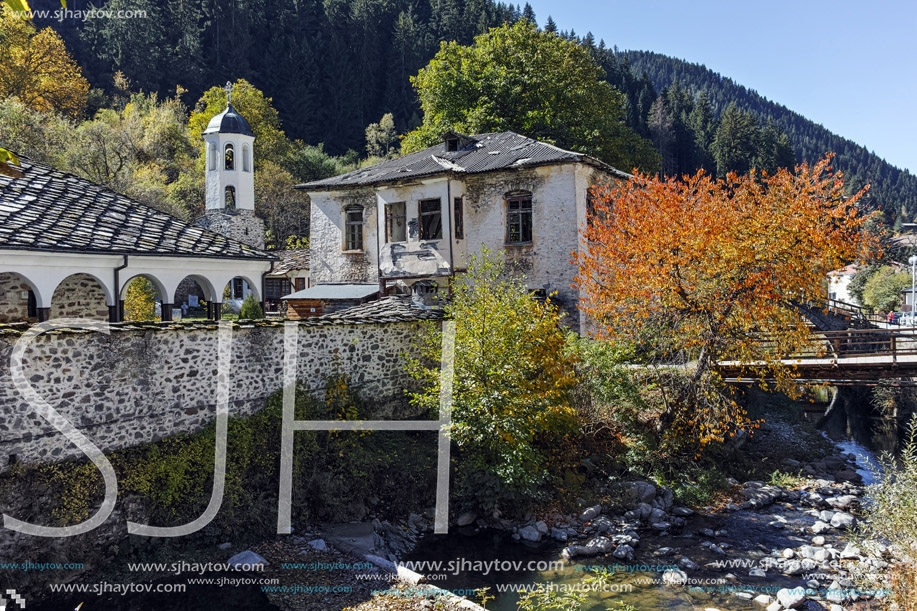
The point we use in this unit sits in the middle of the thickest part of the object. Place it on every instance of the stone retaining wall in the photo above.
(144, 382)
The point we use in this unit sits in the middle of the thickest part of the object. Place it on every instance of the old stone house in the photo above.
(409, 224)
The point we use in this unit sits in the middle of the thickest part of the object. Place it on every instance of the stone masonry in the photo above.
(139, 384)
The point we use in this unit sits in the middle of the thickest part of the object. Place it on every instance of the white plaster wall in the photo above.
(546, 263)
(416, 257)
(329, 261)
(217, 180)
(44, 271)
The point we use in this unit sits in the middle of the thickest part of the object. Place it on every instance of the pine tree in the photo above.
(550, 26)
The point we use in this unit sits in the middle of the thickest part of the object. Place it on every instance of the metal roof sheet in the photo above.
(335, 291)
(481, 153)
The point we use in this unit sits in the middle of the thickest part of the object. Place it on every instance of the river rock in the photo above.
(850, 551)
(682, 512)
(835, 593)
(716, 549)
(246, 558)
(559, 534)
(794, 567)
(590, 513)
(842, 519)
(318, 544)
(225, 546)
(675, 578)
(466, 518)
(530, 533)
(791, 598)
(788, 553)
(763, 599)
(688, 564)
(657, 515)
(638, 492)
(819, 540)
(660, 526)
(848, 475)
(603, 525)
(774, 606)
(842, 502)
(819, 527)
(756, 572)
(624, 552)
(541, 527)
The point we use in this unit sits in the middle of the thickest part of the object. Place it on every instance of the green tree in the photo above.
(535, 83)
(251, 308)
(381, 137)
(882, 291)
(774, 150)
(511, 385)
(736, 142)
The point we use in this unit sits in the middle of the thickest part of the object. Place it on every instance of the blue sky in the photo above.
(851, 66)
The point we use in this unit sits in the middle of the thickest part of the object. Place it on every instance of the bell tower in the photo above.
(230, 177)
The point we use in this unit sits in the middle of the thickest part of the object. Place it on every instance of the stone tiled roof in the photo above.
(387, 309)
(478, 154)
(46, 210)
(290, 261)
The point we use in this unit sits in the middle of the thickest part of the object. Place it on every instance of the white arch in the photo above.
(105, 288)
(39, 302)
(203, 282)
(246, 159)
(161, 290)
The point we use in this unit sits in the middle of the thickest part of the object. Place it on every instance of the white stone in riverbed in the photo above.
(835, 593)
(788, 553)
(687, 563)
(757, 572)
(819, 540)
(763, 599)
(745, 595)
(791, 598)
(851, 551)
(674, 578)
(774, 606)
(842, 519)
(590, 513)
(820, 527)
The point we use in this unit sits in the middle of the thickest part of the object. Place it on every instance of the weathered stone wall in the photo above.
(79, 296)
(329, 261)
(137, 385)
(241, 225)
(555, 236)
(14, 298)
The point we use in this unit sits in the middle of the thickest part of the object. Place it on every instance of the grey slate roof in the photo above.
(482, 153)
(387, 309)
(291, 260)
(47, 210)
(335, 291)
(229, 122)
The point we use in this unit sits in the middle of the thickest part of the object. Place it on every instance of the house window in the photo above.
(458, 209)
(353, 228)
(229, 160)
(230, 198)
(212, 153)
(431, 219)
(246, 159)
(275, 288)
(395, 222)
(300, 284)
(519, 218)
(452, 145)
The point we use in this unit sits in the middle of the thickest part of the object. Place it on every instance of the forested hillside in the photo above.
(333, 67)
(894, 190)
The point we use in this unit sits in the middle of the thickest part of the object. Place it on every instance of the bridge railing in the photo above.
(861, 343)
(852, 310)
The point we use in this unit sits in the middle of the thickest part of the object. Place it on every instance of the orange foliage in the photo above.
(715, 270)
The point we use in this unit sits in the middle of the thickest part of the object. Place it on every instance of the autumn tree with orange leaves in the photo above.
(715, 270)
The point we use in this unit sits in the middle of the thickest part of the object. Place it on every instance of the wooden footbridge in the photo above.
(869, 352)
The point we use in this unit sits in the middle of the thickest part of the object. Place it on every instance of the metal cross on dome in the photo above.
(228, 88)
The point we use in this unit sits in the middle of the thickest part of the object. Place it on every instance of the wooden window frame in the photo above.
(425, 214)
(390, 216)
(458, 212)
(519, 217)
(353, 229)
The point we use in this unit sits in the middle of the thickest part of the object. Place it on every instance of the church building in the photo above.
(70, 247)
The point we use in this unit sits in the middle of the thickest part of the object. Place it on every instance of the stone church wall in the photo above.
(79, 296)
(14, 298)
(140, 383)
